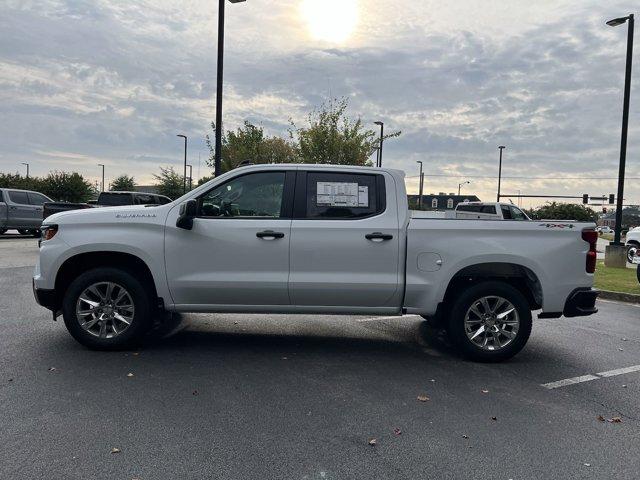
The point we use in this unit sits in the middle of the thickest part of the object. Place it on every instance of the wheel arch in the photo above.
(519, 276)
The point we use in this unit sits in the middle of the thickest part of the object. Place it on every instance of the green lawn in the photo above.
(607, 236)
(616, 279)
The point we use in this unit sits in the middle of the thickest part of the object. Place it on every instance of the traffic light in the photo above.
(585, 199)
(612, 199)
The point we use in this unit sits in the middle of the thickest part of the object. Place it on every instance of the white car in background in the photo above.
(604, 229)
(633, 244)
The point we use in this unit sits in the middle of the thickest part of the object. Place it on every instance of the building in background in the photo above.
(442, 201)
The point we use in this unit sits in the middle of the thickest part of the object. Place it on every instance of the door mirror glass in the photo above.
(187, 214)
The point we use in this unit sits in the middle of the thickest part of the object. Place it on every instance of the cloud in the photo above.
(116, 81)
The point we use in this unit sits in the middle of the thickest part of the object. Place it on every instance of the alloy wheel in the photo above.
(105, 309)
(491, 323)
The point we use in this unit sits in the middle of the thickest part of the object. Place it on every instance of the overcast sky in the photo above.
(86, 82)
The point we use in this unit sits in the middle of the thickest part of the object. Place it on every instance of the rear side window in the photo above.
(506, 213)
(19, 197)
(162, 200)
(517, 214)
(343, 196)
(469, 208)
(37, 198)
(115, 199)
(488, 209)
(144, 199)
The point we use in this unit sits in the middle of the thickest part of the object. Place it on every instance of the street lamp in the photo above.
(102, 184)
(27, 168)
(218, 132)
(421, 184)
(190, 175)
(625, 123)
(381, 124)
(184, 177)
(501, 147)
(460, 186)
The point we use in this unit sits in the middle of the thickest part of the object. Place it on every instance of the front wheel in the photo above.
(107, 309)
(490, 322)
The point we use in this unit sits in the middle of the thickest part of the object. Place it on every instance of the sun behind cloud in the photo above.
(330, 20)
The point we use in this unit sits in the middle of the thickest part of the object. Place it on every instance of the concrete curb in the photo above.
(619, 296)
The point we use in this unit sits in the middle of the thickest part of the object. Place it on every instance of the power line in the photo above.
(493, 177)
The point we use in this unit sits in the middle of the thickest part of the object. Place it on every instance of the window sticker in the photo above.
(341, 194)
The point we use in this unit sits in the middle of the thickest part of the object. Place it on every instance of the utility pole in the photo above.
(184, 176)
(381, 125)
(190, 176)
(501, 147)
(102, 184)
(421, 183)
(27, 168)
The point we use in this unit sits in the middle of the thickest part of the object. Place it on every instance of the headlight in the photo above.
(48, 231)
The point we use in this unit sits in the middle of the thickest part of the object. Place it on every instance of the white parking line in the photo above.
(393, 317)
(588, 378)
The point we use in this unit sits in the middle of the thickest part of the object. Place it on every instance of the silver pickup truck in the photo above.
(21, 210)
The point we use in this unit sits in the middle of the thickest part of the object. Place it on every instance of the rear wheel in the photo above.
(107, 309)
(24, 231)
(490, 322)
(632, 251)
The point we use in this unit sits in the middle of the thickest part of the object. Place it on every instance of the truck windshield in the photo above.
(115, 199)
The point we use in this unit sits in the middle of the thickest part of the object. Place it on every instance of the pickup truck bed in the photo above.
(311, 239)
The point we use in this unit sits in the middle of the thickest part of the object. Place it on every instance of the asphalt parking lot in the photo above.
(260, 396)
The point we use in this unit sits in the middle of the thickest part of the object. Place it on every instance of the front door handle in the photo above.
(269, 235)
(378, 236)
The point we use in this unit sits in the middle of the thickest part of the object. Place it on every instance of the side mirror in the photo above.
(187, 214)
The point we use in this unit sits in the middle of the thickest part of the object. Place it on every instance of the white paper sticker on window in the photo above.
(341, 194)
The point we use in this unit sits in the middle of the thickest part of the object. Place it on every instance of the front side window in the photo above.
(506, 213)
(145, 199)
(343, 195)
(518, 214)
(37, 198)
(450, 203)
(19, 197)
(434, 203)
(256, 195)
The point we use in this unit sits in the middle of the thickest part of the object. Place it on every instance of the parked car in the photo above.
(108, 199)
(313, 239)
(633, 243)
(477, 211)
(21, 210)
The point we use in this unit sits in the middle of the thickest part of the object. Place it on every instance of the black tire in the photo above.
(24, 231)
(3, 231)
(632, 250)
(460, 307)
(35, 233)
(140, 296)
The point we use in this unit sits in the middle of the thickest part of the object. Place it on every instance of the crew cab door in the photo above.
(237, 253)
(21, 213)
(345, 241)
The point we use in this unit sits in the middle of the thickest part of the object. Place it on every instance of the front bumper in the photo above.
(45, 297)
(581, 302)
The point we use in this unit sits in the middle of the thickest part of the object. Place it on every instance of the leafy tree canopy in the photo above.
(59, 186)
(169, 183)
(123, 183)
(563, 211)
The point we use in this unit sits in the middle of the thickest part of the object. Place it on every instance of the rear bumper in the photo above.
(581, 302)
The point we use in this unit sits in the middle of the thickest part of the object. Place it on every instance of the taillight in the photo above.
(591, 237)
(48, 231)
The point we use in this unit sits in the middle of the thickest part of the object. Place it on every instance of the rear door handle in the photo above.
(378, 236)
(269, 234)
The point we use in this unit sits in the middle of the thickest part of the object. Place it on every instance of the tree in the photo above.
(249, 144)
(204, 180)
(332, 137)
(169, 183)
(123, 183)
(15, 180)
(563, 211)
(59, 186)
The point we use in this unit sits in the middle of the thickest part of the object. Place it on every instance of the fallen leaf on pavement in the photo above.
(465, 436)
(397, 431)
(616, 420)
(423, 398)
(494, 418)
(129, 374)
(587, 464)
(195, 392)
(624, 386)
(135, 354)
(485, 391)
(600, 418)
(621, 350)
(115, 450)
(52, 369)
(373, 442)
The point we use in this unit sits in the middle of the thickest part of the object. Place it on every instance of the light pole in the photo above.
(460, 186)
(102, 184)
(625, 123)
(421, 179)
(218, 132)
(184, 177)
(381, 125)
(27, 168)
(501, 147)
(190, 175)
